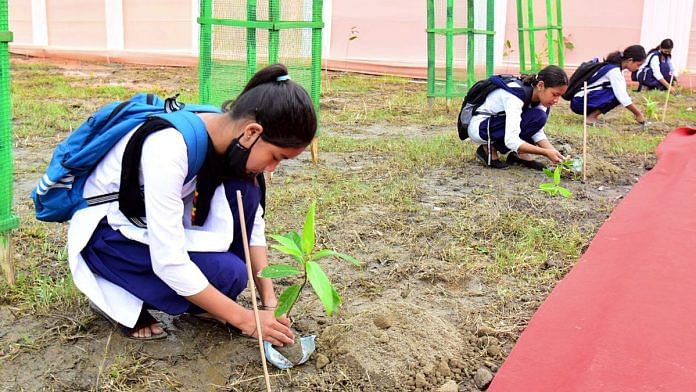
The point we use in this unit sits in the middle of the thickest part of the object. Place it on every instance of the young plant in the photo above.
(650, 108)
(554, 188)
(301, 248)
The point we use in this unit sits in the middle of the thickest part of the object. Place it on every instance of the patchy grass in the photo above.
(394, 185)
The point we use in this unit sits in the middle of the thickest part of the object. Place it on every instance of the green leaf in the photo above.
(564, 192)
(278, 271)
(328, 252)
(547, 187)
(308, 230)
(322, 286)
(290, 245)
(548, 172)
(557, 175)
(295, 237)
(287, 299)
(288, 251)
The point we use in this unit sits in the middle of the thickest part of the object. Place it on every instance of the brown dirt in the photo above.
(414, 316)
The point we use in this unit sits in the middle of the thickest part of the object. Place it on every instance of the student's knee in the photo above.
(533, 119)
(232, 277)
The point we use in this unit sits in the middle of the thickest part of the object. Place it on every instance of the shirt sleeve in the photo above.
(513, 118)
(655, 66)
(258, 235)
(618, 85)
(539, 136)
(164, 166)
(671, 68)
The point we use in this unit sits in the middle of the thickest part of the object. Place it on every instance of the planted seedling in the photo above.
(301, 247)
(650, 108)
(554, 188)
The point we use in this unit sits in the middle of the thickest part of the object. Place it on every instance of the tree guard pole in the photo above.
(205, 59)
(449, 49)
(532, 46)
(470, 44)
(549, 32)
(520, 37)
(430, 24)
(274, 32)
(251, 41)
(317, 7)
(560, 43)
(490, 38)
(8, 220)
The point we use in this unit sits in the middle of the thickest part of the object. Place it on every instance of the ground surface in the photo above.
(456, 257)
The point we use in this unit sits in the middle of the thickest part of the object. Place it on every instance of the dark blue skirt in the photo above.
(127, 264)
(531, 122)
(603, 100)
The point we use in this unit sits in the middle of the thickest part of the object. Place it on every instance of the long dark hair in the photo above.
(552, 76)
(665, 44)
(282, 107)
(633, 52)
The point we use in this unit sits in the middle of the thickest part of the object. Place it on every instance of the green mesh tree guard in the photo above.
(8, 220)
(555, 44)
(455, 82)
(240, 37)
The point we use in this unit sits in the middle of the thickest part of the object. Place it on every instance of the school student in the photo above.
(658, 70)
(189, 257)
(608, 91)
(508, 124)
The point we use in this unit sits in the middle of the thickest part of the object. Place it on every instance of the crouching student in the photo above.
(658, 70)
(189, 258)
(607, 91)
(511, 120)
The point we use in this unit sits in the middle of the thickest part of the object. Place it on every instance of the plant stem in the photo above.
(304, 283)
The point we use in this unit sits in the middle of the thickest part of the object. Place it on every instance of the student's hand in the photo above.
(554, 156)
(274, 330)
(640, 118)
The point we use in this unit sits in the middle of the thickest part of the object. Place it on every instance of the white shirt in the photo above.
(618, 86)
(503, 101)
(654, 64)
(169, 234)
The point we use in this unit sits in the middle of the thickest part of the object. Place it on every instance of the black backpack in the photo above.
(479, 92)
(590, 72)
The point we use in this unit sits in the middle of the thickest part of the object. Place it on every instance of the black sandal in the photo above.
(513, 158)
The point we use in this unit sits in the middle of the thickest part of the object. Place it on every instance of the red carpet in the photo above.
(624, 318)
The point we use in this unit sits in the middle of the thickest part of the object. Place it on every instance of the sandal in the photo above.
(145, 319)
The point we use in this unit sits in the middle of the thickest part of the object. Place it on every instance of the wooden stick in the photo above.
(584, 135)
(252, 288)
(315, 150)
(6, 259)
(664, 110)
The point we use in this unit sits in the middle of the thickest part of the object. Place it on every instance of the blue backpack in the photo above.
(59, 193)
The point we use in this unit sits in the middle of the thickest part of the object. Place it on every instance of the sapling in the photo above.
(554, 188)
(302, 249)
(650, 108)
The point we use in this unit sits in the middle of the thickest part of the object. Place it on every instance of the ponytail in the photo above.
(552, 76)
(633, 52)
(282, 107)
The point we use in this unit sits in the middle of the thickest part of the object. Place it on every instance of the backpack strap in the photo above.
(195, 135)
(601, 72)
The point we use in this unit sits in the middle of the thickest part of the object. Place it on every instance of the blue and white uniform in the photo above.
(121, 267)
(657, 67)
(509, 131)
(605, 93)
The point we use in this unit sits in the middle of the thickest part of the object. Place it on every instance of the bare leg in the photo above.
(593, 117)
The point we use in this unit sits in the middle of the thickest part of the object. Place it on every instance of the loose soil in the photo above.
(424, 310)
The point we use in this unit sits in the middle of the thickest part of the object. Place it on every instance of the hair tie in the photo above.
(283, 78)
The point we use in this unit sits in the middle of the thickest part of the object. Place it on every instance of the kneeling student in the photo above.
(658, 70)
(511, 119)
(607, 87)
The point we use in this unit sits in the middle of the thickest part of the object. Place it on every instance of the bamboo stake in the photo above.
(6, 259)
(252, 288)
(664, 110)
(584, 134)
(315, 150)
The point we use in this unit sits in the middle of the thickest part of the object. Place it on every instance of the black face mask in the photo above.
(233, 162)
(665, 55)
